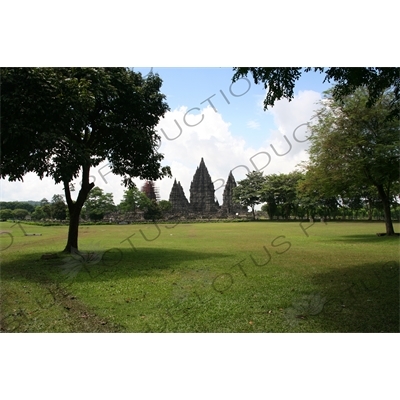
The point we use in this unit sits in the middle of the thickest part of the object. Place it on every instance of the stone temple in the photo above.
(178, 199)
(229, 207)
(202, 192)
(202, 196)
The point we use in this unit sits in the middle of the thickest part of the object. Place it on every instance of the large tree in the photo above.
(280, 82)
(60, 122)
(353, 145)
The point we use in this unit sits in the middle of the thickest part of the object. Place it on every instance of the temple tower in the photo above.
(202, 192)
(178, 199)
(150, 190)
(228, 205)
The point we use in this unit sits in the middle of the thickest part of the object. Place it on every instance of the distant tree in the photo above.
(58, 207)
(270, 206)
(280, 82)
(46, 208)
(6, 214)
(20, 213)
(132, 200)
(57, 198)
(135, 200)
(152, 210)
(59, 211)
(98, 204)
(360, 199)
(12, 205)
(165, 206)
(26, 206)
(280, 192)
(38, 214)
(315, 199)
(249, 191)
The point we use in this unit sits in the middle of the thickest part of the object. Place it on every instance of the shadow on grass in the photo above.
(112, 264)
(362, 298)
(366, 238)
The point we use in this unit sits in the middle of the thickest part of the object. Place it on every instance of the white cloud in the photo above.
(287, 144)
(253, 124)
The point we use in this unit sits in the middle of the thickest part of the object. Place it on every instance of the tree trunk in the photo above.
(254, 214)
(72, 241)
(75, 208)
(386, 210)
(370, 209)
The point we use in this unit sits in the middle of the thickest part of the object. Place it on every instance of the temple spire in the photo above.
(228, 205)
(178, 199)
(202, 192)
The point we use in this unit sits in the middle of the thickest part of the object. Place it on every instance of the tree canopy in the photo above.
(280, 193)
(60, 122)
(354, 147)
(249, 191)
(58, 207)
(98, 204)
(280, 82)
(132, 200)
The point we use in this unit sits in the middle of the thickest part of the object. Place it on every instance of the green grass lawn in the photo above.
(202, 277)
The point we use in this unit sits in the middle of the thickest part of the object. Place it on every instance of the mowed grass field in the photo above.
(201, 277)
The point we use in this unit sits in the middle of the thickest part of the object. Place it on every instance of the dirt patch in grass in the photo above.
(78, 315)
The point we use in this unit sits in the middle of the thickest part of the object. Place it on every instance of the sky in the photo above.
(213, 118)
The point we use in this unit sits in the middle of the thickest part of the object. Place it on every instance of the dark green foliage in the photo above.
(152, 210)
(280, 82)
(46, 208)
(38, 214)
(249, 191)
(280, 194)
(98, 204)
(58, 208)
(60, 211)
(96, 215)
(132, 200)
(165, 206)
(6, 213)
(12, 205)
(20, 213)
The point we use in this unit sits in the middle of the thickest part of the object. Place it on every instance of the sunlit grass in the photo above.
(202, 277)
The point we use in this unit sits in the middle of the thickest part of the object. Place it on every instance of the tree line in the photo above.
(290, 196)
(97, 206)
(282, 196)
(43, 210)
